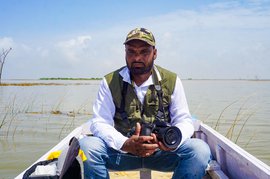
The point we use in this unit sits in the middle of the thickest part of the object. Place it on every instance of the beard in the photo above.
(143, 69)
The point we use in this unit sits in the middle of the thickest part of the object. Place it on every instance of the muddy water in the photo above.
(35, 118)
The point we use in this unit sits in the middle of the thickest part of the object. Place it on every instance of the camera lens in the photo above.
(172, 137)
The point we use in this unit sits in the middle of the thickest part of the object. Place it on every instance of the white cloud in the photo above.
(215, 41)
(223, 40)
(258, 2)
(74, 49)
(6, 42)
(80, 41)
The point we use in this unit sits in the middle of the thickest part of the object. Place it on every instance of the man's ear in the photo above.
(155, 53)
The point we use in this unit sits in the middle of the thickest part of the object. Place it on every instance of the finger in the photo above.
(138, 129)
(154, 138)
(150, 146)
(145, 139)
(135, 138)
(163, 147)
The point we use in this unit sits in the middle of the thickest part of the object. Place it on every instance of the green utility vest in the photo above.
(134, 109)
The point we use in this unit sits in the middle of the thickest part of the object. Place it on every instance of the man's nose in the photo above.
(137, 57)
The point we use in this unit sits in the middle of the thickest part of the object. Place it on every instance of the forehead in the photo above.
(137, 44)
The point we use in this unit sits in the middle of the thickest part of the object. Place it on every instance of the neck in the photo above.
(140, 79)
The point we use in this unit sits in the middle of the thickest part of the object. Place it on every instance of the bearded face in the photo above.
(140, 57)
(139, 68)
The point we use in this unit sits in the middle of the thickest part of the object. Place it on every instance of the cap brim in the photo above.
(146, 41)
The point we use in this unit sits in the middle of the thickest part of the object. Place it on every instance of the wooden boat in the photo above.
(230, 161)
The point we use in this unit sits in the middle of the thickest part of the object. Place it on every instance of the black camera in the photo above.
(170, 136)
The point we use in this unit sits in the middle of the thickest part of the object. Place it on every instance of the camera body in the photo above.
(170, 136)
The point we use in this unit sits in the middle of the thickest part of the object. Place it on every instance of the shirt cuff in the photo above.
(120, 142)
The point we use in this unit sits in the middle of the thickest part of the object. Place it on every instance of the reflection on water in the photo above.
(34, 118)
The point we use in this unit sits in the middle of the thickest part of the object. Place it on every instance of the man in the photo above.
(138, 94)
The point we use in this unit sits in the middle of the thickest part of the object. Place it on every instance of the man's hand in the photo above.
(142, 146)
(161, 146)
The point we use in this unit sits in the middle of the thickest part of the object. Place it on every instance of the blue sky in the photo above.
(195, 39)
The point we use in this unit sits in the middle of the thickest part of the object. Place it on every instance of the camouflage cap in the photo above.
(141, 34)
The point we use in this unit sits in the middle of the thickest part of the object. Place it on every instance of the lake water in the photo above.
(35, 118)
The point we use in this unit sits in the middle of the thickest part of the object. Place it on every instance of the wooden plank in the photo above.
(145, 174)
(214, 170)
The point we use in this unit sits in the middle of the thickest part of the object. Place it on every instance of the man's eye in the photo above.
(130, 52)
(133, 53)
(145, 52)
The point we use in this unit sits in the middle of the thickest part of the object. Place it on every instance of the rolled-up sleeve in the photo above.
(102, 123)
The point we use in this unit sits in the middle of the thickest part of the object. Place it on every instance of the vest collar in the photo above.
(126, 76)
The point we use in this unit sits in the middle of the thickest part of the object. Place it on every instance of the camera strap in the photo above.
(121, 110)
(161, 111)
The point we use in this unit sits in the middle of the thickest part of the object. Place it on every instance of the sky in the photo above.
(84, 38)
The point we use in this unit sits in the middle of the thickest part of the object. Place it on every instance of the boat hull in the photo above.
(229, 160)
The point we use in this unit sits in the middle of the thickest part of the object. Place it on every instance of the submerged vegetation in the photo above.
(12, 115)
(15, 119)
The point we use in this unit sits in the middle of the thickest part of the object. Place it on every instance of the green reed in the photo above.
(221, 114)
(237, 119)
(242, 127)
(10, 114)
(242, 116)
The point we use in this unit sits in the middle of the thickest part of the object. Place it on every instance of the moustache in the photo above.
(136, 63)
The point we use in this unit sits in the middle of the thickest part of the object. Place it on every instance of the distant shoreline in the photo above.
(181, 79)
(79, 81)
(70, 78)
(97, 78)
(41, 84)
(227, 79)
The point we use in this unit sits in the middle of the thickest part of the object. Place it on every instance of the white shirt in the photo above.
(102, 124)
